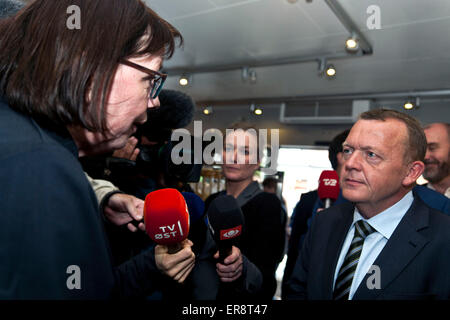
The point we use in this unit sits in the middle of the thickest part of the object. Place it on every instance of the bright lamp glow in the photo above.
(258, 111)
(207, 111)
(184, 81)
(352, 44)
(331, 71)
(408, 105)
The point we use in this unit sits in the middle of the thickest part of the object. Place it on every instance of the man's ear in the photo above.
(415, 170)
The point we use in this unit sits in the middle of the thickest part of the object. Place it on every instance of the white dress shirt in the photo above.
(384, 224)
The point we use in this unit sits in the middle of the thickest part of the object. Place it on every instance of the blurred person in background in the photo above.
(437, 158)
(262, 241)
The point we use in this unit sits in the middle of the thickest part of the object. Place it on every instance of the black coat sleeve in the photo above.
(53, 242)
(264, 238)
(302, 212)
(296, 286)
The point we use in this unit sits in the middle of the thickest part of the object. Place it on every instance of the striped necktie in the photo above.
(348, 268)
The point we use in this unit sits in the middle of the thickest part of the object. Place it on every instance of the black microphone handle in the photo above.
(225, 250)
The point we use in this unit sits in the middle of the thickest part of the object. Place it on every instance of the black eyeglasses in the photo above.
(157, 78)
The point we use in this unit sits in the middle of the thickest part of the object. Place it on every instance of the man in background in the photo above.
(437, 158)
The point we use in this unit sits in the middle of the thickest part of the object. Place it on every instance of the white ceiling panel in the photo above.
(397, 12)
(411, 50)
(321, 16)
(234, 32)
(228, 3)
(172, 9)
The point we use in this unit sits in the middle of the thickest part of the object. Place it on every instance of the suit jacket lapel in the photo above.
(335, 241)
(404, 244)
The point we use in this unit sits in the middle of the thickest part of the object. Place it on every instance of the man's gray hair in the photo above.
(9, 8)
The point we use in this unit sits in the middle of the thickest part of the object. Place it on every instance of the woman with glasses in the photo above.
(65, 93)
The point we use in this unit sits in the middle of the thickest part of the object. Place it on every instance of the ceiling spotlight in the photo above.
(244, 73)
(256, 110)
(352, 44)
(184, 80)
(408, 105)
(207, 111)
(417, 106)
(330, 71)
(322, 65)
(248, 75)
(325, 68)
(252, 76)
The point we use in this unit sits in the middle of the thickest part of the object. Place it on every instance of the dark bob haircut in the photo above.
(64, 76)
(335, 147)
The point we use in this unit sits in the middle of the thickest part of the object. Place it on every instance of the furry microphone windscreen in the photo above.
(176, 111)
(9, 8)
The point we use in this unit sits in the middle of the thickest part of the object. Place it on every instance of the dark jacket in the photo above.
(50, 221)
(299, 226)
(414, 263)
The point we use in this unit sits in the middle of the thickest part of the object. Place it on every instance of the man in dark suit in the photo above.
(385, 243)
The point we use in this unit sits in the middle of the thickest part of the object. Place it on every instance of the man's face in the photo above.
(126, 107)
(240, 156)
(437, 158)
(373, 172)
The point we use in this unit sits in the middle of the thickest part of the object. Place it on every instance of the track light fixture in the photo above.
(207, 111)
(409, 105)
(252, 76)
(352, 44)
(184, 80)
(248, 75)
(322, 65)
(326, 68)
(256, 110)
(330, 71)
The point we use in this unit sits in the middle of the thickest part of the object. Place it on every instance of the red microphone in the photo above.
(328, 187)
(166, 218)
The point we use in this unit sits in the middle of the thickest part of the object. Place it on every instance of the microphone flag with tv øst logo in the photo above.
(166, 217)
